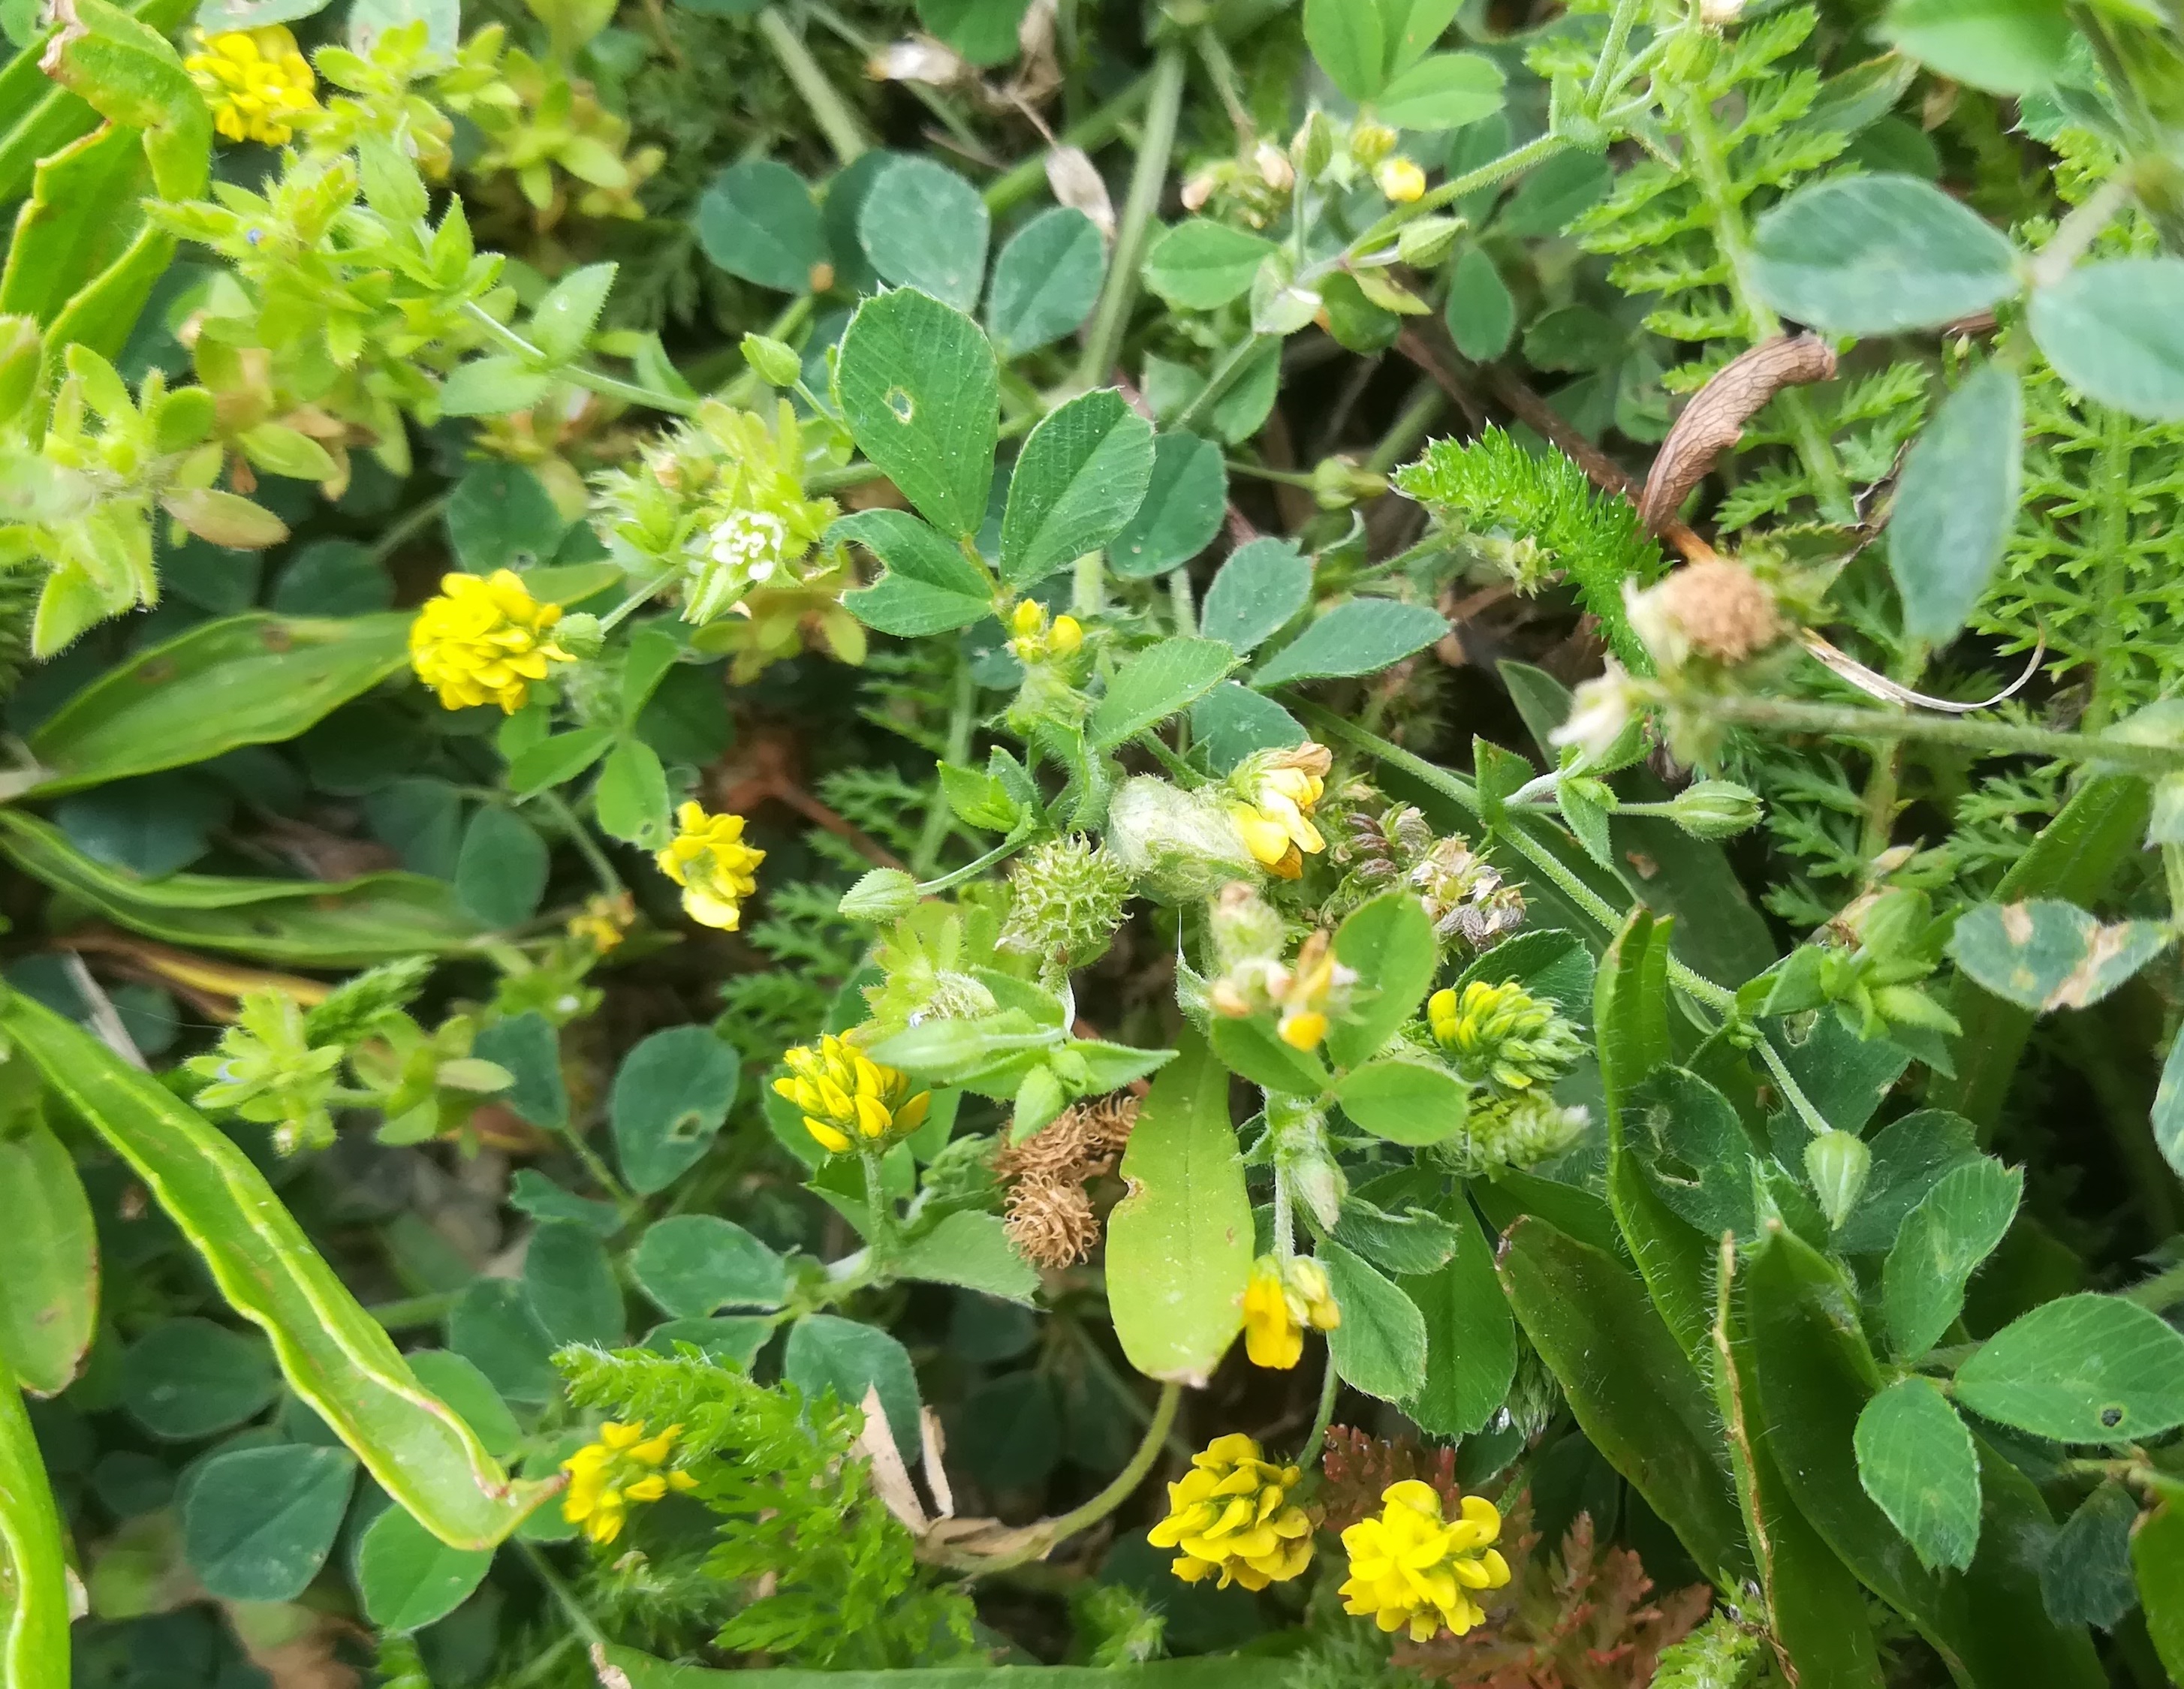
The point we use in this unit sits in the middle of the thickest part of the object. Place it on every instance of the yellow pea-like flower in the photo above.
(484, 640)
(622, 1466)
(256, 82)
(709, 859)
(1410, 1568)
(1231, 1517)
(847, 1098)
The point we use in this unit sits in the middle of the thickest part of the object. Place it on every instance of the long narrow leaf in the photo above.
(333, 1354)
(34, 1600)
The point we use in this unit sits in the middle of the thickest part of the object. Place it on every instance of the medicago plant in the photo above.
(1221, 840)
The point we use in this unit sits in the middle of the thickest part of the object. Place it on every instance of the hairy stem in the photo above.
(1043, 1537)
(1999, 738)
(962, 709)
(591, 381)
(1330, 1381)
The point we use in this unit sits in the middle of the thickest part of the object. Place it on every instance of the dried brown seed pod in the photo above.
(1051, 1221)
(1714, 420)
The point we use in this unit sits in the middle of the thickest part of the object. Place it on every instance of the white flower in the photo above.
(743, 550)
(1598, 717)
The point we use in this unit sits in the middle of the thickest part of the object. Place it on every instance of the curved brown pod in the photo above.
(1714, 420)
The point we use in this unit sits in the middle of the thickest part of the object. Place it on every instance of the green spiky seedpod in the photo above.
(1068, 895)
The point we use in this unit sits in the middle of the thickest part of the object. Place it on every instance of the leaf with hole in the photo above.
(669, 1096)
(921, 393)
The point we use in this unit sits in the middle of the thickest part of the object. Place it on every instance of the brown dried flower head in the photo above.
(1716, 610)
(1051, 1222)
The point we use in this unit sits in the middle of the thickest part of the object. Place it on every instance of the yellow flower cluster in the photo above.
(604, 921)
(256, 82)
(623, 1466)
(1277, 792)
(1502, 1035)
(1232, 1514)
(1411, 1569)
(1037, 639)
(1279, 1301)
(709, 859)
(847, 1097)
(484, 640)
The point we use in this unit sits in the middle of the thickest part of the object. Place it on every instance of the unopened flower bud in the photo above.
(1313, 150)
(1179, 846)
(1714, 809)
(1370, 142)
(1273, 167)
(580, 635)
(1838, 1162)
(774, 362)
(883, 894)
(1424, 243)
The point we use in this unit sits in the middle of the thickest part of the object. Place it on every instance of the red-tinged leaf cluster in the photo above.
(1355, 1469)
(1578, 1619)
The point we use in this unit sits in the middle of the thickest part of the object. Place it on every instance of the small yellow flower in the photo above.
(483, 641)
(1401, 180)
(1502, 1035)
(1037, 639)
(709, 860)
(1276, 793)
(623, 1466)
(1232, 1514)
(256, 82)
(846, 1096)
(1410, 1567)
(603, 921)
(1279, 1301)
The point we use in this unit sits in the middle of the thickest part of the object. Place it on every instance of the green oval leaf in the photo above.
(921, 395)
(1361, 636)
(1264, 584)
(1404, 1099)
(1201, 265)
(2114, 331)
(1186, 501)
(48, 1255)
(1877, 254)
(1957, 502)
(694, 1265)
(1916, 1460)
(669, 1096)
(924, 226)
(258, 1523)
(409, 1578)
(1380, 1345)
(1159, 682)
(1081, 476)
(757, 221)
(1046, 282)
(1179, 1245)
(2084, 1368)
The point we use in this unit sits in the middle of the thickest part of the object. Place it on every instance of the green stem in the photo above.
(1095, 129)
(962, 709)
(1999, 738)
(1495, 170)
(1147, 179)
(413, 523)
(1409, 430)
(591, 381)
(1610, 55)
(565, 1597)
(1179, 598)
(841, 28)
(880, 1246)
(1042, 1538)
(954, 877)
(1232, 364)
(1329, 1382)
(829, 111)
(587, 847)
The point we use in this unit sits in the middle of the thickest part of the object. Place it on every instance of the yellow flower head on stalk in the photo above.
(848, 1098)
(1035, 638)
(1401, 179)
(484, 640)
(709, 859)
(604, 921)
(1232, 1514)
(1275, 792)
(1278, 1303)
(256, 82)
(622, 1466)
(1411, 1569)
